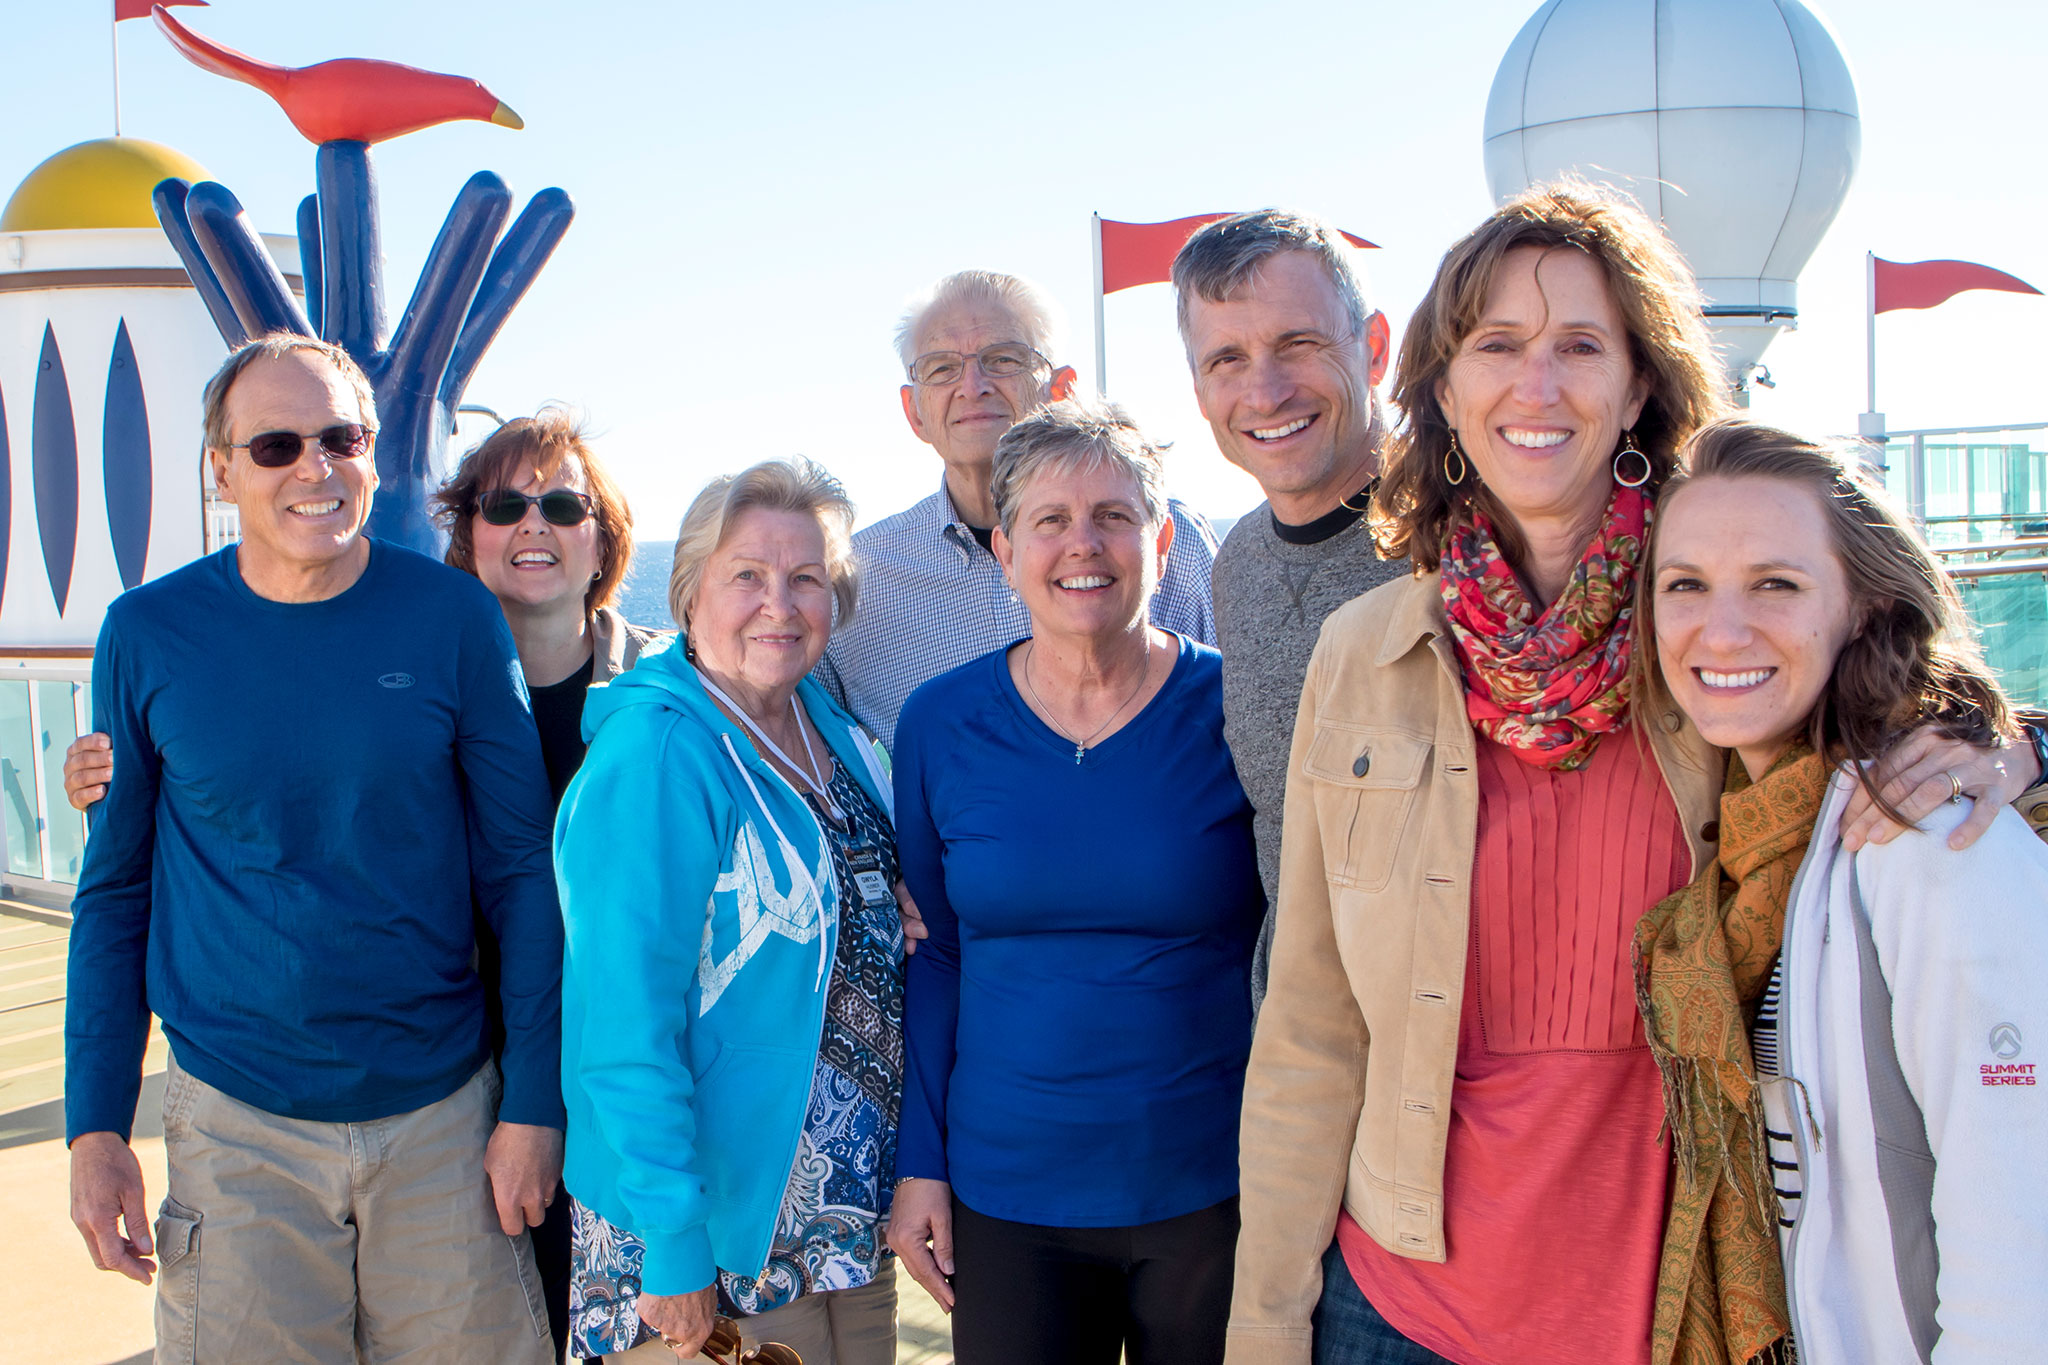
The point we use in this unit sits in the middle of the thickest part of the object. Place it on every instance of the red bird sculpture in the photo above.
(355, 99)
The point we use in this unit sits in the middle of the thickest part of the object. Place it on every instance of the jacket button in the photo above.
(1710, 832)
(1363, 765)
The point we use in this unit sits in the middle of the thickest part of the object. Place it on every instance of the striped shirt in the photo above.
(932, 599)
(1778, 1120)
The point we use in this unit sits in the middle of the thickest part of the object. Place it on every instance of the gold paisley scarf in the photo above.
(1702, 959)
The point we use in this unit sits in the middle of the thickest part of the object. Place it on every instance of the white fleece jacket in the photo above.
(1962, 941)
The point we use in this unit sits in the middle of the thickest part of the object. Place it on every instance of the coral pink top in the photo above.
(1555, 1176)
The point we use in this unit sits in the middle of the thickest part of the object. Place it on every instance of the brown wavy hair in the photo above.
(1912, 660)
(1659, 304)
(508, 456)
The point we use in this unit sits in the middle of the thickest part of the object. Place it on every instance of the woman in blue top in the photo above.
(732, 989)
(1078, 1021)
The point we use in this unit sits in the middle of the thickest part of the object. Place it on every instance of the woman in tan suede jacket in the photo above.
(1451, 1144)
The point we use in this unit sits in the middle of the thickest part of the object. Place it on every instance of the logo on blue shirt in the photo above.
(395, 680)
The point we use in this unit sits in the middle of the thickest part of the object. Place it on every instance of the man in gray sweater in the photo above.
(1285, 353)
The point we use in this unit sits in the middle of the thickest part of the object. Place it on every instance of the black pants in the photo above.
(551, 1238)
(551, 1259)
(1029, 1295)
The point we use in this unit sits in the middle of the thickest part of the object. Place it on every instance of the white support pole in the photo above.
(1101, 342)
(1870, 426)
(114, 37)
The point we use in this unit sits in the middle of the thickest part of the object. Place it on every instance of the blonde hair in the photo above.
(792, 485)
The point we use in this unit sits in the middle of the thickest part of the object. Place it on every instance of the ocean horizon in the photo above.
(643, 597)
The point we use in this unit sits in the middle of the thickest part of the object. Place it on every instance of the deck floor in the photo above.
(55, 1308)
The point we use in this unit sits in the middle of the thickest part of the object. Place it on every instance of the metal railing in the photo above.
(1972, 484)
(223, 520)
(2011, 566)
(2032, 544)
(1981, 494)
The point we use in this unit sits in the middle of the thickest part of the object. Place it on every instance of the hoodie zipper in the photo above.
(820, 988)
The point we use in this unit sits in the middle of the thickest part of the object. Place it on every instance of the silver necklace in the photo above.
(1081, 745)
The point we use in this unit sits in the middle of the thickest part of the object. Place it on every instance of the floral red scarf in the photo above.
(1547, 686)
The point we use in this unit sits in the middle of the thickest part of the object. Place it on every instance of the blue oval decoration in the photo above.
(6, 495)
(53, 460)
(124, 446)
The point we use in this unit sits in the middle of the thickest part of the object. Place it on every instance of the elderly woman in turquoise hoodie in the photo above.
(732, 996)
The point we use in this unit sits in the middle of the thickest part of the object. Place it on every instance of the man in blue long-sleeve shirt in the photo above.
(326, 766)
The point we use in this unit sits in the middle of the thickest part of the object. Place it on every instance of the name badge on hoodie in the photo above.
(864, 860)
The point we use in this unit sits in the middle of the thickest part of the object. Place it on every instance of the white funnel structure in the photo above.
(1734, 122)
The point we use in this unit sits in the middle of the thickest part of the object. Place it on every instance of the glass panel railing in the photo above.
(18, 807)
(1972, 485)
(2008, 600)
(57, 712)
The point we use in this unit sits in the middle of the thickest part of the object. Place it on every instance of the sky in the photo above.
(761, 188)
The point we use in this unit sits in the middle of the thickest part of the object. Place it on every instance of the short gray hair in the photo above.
(1218, 259)
(1031, 306)
(1073, 435)
(213, 403)
(792, 485)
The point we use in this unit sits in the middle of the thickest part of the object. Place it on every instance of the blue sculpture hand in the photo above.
(418, 373)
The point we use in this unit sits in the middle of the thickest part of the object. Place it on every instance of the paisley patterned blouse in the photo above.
(826, 1236)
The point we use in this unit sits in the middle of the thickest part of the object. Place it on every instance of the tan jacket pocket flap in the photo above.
(1366, 759)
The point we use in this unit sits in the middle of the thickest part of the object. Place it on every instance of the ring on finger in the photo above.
(1955, 788)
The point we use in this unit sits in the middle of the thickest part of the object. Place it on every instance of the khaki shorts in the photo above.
(288, 1240)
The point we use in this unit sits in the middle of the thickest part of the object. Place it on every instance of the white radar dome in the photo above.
(1734, 122)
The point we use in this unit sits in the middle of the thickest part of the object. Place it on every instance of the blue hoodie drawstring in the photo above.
(790, 857)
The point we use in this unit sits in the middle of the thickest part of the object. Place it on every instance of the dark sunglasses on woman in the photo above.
(559, 508)
(276, 449)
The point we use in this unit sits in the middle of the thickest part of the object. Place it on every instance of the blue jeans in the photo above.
(1350, 1331)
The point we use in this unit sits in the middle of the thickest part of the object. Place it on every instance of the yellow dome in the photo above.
(101, 184)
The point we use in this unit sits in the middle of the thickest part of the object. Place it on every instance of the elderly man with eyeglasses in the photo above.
(932, 597)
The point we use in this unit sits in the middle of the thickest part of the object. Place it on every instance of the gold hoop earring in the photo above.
(1628, 448)
(1464, 467)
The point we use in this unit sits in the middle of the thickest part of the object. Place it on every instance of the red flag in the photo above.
(1923, 284)
(139, 9)
(1142, 253)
